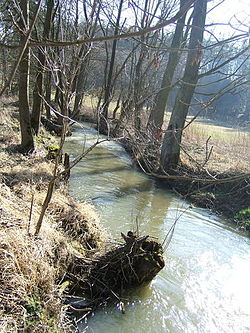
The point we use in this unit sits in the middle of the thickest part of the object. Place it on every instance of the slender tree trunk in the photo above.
(4, 53)
(48, 78)
(38, 88)
(171, 145)
(138, 88)
(108, 88)
(81, 79)
(157, 114)
(138, 72)
(59, 87)
(84, 56)
(80, 84)
(27, 141)
(37, 93)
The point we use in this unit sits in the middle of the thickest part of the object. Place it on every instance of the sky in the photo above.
(234, 12)
(228, 11)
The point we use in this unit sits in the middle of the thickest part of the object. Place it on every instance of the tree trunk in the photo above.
(138, 88)
(38, 89)
(157, 114)
(27, 142)
(4, 58)
(81, 80)
(108, 88)
(171, 145)
(59, 96)
(37, 93)
(48, 78)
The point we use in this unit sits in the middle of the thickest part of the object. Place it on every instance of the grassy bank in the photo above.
(220, 152)
(230, 147)
(32, 268)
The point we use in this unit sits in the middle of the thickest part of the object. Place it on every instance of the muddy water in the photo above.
(205, 285)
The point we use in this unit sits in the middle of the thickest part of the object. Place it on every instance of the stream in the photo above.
(205, 284)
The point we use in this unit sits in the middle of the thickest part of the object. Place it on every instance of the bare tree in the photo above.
(38, 88)
(171, 144)
(27, 141)
(84, 55)
(157, 113)
(108, 83)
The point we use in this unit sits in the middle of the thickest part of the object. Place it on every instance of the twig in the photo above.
(31, 209)
(137, 226)
(53, 180)
(208, 152)
(84, 316)
(170, 233)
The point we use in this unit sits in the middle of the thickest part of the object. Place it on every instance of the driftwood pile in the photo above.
(134, 263)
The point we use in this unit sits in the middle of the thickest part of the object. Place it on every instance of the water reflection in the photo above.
(204, 286)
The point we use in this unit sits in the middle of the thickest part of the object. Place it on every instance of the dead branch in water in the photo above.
(128, 265)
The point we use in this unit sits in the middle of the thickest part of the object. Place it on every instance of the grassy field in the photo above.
(230, 147)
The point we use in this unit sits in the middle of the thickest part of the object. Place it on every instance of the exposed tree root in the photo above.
(107, 277)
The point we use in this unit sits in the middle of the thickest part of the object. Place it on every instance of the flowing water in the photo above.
(205, 284)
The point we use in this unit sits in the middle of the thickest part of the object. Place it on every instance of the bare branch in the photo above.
(145, 31)
(23, 49)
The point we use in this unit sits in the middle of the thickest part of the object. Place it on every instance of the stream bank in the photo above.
(230, 200)
(32, 268)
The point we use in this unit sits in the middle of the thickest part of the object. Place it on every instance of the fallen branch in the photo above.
(131, 264)
(198, 180)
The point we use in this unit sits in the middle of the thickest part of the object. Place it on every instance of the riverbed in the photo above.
(204, 286)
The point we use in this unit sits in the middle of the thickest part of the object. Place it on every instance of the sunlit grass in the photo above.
(31, 267)
(91, 101)
(218, 133)
(230, 146)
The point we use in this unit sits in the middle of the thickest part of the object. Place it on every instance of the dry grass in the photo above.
(80, 222)
(32, 268)
(30, 298)
(230, 152)
(90, 103)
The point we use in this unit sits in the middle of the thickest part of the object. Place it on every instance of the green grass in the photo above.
(243, 217)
